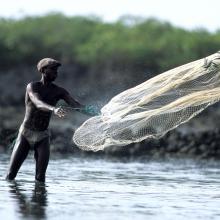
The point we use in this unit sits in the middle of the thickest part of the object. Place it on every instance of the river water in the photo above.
(94, 188)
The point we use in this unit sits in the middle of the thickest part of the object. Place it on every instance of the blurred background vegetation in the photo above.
(131, 42)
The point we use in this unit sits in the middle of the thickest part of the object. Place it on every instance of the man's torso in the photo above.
(36, 119)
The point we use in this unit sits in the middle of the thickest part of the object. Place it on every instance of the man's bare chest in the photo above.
(48, 95)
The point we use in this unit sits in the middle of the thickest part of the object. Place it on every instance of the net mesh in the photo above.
(154, 107)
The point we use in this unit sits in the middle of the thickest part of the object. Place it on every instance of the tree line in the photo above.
(131, 42)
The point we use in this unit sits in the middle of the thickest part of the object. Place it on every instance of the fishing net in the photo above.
(154, 107)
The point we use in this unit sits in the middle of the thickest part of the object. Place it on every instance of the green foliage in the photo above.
(130, 42)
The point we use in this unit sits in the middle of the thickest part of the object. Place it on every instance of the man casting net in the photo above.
(154, 107)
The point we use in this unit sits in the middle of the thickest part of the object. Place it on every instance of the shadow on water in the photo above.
(36, 205)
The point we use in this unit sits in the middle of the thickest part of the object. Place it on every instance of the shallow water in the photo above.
(106, 189)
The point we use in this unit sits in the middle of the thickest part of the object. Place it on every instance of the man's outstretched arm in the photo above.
(71, 101)
(86, 109)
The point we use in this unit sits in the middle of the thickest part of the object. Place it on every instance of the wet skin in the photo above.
(40, 100)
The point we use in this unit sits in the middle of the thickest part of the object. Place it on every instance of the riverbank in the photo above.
(199, 138)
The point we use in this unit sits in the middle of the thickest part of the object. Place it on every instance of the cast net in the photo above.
(154, 107)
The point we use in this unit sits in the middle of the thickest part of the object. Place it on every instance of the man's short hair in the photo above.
(45, 62)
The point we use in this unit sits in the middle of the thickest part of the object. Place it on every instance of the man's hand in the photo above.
(60, 111)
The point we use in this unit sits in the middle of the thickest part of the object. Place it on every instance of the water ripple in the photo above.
(93, 188)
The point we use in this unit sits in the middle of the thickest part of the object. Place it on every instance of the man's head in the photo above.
(48, 67)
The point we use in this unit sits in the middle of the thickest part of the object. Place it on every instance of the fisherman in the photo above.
(40, 102)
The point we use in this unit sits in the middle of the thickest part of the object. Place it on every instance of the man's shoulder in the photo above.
(55, 85)
(60, 90)
(33, 84)
(58, 87)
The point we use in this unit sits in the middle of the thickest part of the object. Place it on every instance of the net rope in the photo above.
(153, 108)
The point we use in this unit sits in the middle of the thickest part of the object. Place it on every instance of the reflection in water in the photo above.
(30, 207)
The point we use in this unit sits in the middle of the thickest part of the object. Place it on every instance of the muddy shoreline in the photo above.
(194, 139)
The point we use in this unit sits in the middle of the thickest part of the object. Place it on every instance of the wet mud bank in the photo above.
(203, 144)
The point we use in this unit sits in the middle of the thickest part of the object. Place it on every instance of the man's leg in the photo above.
(20, 152)
(41, 155)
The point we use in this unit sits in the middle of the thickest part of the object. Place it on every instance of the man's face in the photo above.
(50, 73)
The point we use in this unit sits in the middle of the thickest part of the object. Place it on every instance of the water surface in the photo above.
(106, 189)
